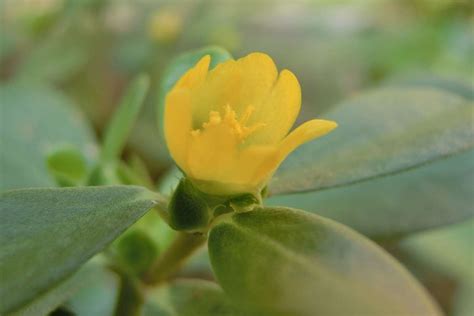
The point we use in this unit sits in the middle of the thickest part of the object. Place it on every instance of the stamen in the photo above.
(230, 119)
(214, 119)
(252, 129)
(195, 132)
(245, 117)
(229, 114)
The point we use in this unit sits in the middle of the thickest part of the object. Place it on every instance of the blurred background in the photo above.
(90, 49)
(86, 52)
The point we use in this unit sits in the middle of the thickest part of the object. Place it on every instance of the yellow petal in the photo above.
(302, 134)
(240, 176)
(177, 124)
(196, 75)
(279, 111)
(239, 84)
(212, 152)
(259, 74)
(222, 87)
(178, 115)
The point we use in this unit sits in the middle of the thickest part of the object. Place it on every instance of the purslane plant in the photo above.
(227, 125)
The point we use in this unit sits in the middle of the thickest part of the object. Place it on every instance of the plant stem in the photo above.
(130, 298)
(174, 257)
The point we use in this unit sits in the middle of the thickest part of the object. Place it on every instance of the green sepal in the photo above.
(188, 210)
(193, 210)
(243, 203)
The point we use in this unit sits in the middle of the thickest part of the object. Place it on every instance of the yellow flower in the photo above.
(227, 128)
(165, 25)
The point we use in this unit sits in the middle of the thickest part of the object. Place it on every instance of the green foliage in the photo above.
(96, 298)
(36, 120)
(447, 251)
(63, 227)
(270, 261)
(46, 302)
(68, 166)
(288, 262)
(55, 59)
(449, 247)
(452, 85)
(124, 118)
(434, 195)
(136, 252)
(382, 132)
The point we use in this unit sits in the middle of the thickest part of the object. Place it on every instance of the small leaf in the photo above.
(34, 121)
(289, 262)
(190, 298)
(67, 165)
(437, 194)
(124, 118)
(383, 132)
(47, 234)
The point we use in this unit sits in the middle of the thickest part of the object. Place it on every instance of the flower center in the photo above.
(238, 127)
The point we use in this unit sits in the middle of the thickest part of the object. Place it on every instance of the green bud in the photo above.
(67, 165)
(136, 251)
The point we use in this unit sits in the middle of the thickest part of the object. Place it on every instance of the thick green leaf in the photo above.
(380, 133)
(50, 300)
(123, 120)
(437, 194)
(34, 121)
(453, 85)
(289, 262)
(189, 298)
(179, 66)
(46, 234)
(448, 251)
(98, 297)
